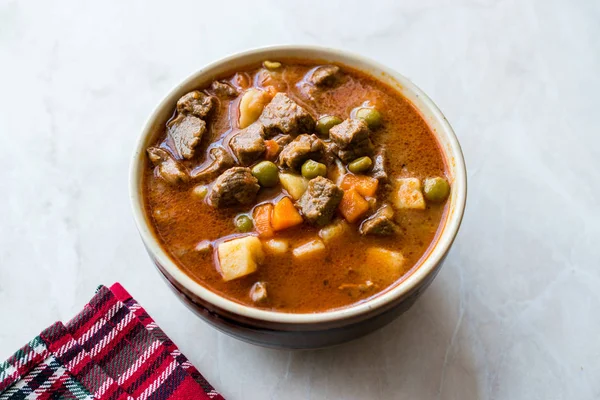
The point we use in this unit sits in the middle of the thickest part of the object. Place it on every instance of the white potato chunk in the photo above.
(240, 257)
(295, 185)
(308, 250)
(251, 106)
(385, 260)
(407, 194)
(335, 230)
(276, 246)
(258, 292)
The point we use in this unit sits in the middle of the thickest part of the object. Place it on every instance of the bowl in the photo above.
(304, 330)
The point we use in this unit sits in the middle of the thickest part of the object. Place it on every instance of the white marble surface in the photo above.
(514, 313)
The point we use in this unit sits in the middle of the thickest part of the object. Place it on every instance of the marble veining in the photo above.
(513, 314)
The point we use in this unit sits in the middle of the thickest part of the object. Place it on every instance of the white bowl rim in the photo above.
(417, 275)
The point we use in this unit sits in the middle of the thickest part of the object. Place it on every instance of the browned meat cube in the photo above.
(283, 115)
(168, 169)
(320, 201)
(283, 140)
(236, 186)
(302, 148)
(221, 160)
(378, 171)
(248, 145)
(381, 223)
(350, 153)
(186, 132)
(196, 103)
(350, 131)
(325, 75)
(352, 138)
(224, 89)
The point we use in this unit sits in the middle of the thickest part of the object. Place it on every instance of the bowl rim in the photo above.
(417, 274)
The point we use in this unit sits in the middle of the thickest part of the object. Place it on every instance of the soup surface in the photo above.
(295, 186)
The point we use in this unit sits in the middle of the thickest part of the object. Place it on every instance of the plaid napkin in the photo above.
(112, 349)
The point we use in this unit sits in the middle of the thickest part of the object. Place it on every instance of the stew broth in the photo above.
(345, 272)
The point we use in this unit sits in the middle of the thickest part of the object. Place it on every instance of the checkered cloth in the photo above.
(112, 350)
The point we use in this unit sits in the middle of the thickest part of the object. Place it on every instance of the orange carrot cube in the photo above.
(285, 215)
(353, 205)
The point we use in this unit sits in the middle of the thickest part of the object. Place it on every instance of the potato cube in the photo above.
(276, 246)
(407, 194)
(295, 185)
(334, 230)
(251, 106)
(386, 261)
(309, 250)
(240, 257)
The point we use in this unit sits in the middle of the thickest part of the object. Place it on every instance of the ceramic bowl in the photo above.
(306, 330)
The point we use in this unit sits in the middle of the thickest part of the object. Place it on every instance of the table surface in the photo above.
(513, 313)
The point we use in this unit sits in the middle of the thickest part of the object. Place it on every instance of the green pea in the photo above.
(271, 65)
(267, 173)
(436, 189)
(311, 169)
(362, 164)
(243, 223)
(200, 192)
(370, 115)
(324, 124)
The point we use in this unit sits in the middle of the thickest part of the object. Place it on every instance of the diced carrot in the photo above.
(285, 215)
(272, 149)
(353, 205)
(262, 220)
(365, 185)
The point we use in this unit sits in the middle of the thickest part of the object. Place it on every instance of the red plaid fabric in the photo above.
(112, 350)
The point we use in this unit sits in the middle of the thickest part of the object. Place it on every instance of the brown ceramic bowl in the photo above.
(307, 330)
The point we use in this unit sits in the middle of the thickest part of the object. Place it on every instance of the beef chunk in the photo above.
(320, 200)
(283, 115)
(168, 169)
(248, 144)
(325, 75)
(349, 132)
(302, 148)
(236, 186)
(224, 89)
(352, 153)
(196, 103)
(352, 138)
(331, 151)
(381, 223)
(283, 140)
(221, 160)
(186, 132)
(378, 171)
